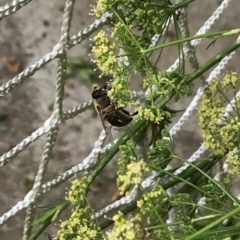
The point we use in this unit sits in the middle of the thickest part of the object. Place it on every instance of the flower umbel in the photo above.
(133, 175)
(220, 131)
(77, 192)
(150, 113)
(131, 169)
(154, 204)
(124, 229)
(104, 52)
(79, 226)
(233, 161)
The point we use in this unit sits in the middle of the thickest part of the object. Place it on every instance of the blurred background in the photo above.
(28, 35)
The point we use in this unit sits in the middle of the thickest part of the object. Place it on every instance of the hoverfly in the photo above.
(108, 111)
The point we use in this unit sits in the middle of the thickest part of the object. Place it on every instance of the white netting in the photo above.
(51, 125)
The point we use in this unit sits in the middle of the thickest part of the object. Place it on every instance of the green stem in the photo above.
(213, 61)
(136, 127)
(236, 202)
(140, 123)
(205, 67)
(47, 219)
(187, 173)
(188, 39)
(160, 218)
(111, 153)
(213, 224)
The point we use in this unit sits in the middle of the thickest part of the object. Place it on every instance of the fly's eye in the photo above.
(96, 94)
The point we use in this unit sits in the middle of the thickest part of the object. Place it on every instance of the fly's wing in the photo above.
(121, 121)
(117, 117)
(106, 128)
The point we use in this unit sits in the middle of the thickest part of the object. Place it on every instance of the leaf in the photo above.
(51, 213)
(165, 133)
(211, 43)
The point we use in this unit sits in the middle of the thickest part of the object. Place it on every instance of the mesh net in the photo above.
(51, 126)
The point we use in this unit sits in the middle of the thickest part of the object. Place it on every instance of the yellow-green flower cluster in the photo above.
(79, 227)
(220, 133)
(126, 15)
(124, 229)
(230, 132)
(120, 91)
(211, 110)
(153, 204)
(133, 175)
(77, 191)
(150, 113)
(100, 8)
(104, 52)
(145, 15)
(157, 86)
(165, 83)
(183, 226)
(230, 80)
(105, 58)
(233, 161)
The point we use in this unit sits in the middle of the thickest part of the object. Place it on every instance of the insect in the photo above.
(108, 111)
